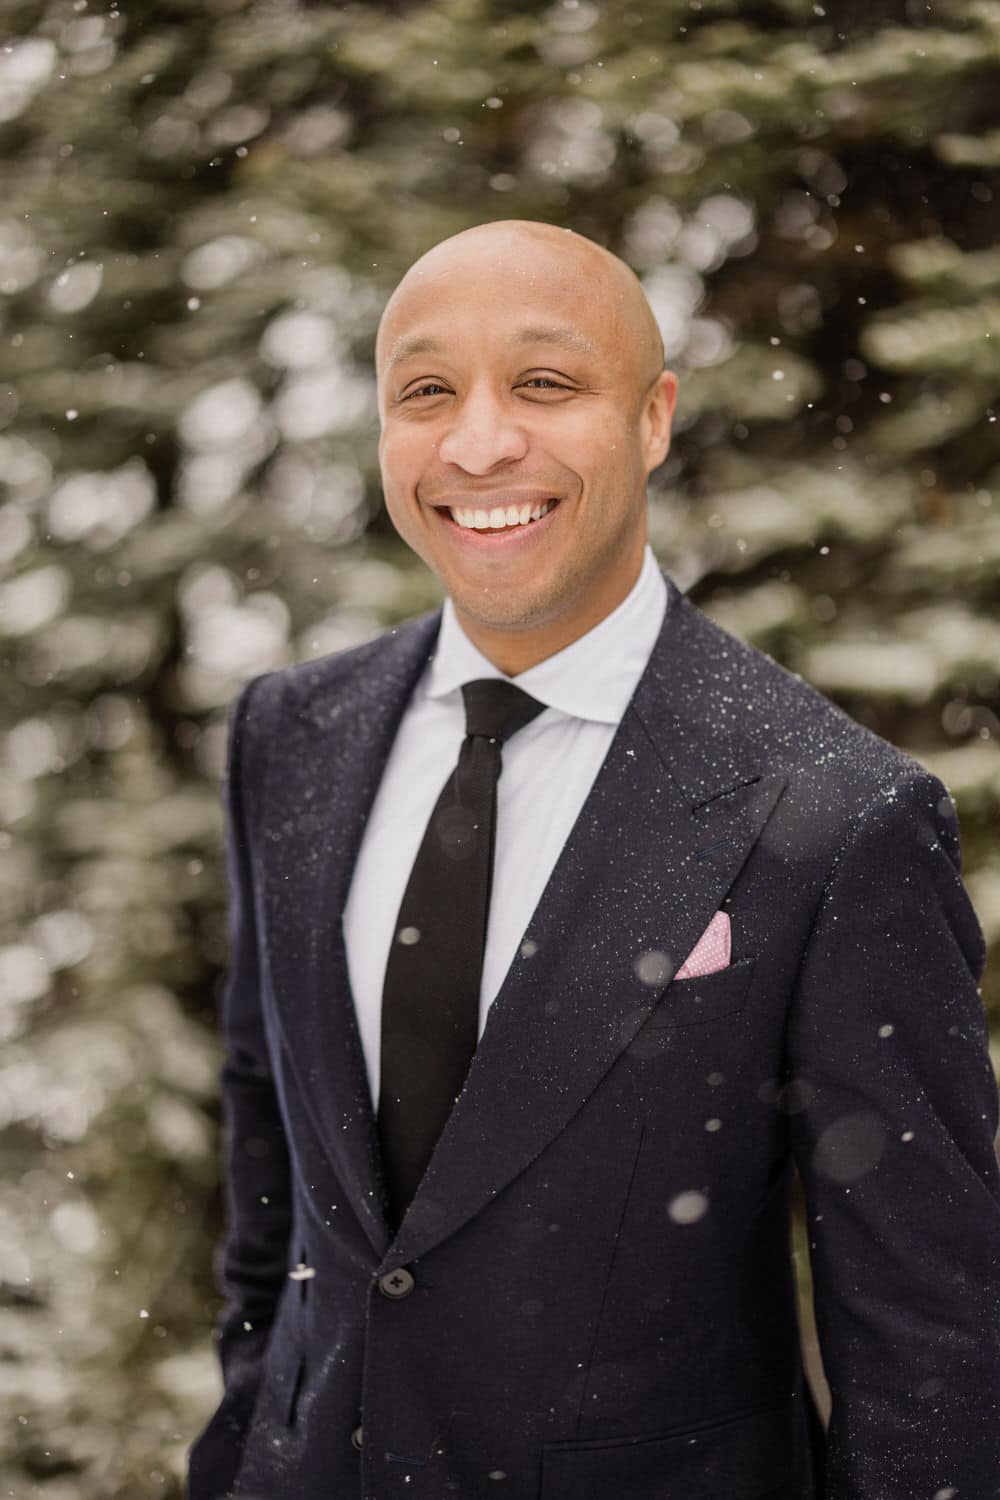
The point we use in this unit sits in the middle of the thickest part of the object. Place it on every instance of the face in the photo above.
(520, 420)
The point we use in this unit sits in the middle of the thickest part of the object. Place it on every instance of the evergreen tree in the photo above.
(206, 203)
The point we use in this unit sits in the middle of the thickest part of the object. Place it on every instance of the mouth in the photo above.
(498, 520)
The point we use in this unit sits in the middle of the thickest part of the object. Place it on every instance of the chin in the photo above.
(504, 616)
(507, 609)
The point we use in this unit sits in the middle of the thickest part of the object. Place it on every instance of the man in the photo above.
(726, 934)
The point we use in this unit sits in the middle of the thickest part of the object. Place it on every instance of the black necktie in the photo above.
(430, 1001)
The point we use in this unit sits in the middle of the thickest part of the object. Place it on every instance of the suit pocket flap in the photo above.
(685, 1002)
(741, 1459)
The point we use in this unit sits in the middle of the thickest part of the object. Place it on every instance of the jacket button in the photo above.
(357, 1436)
(396, 1284)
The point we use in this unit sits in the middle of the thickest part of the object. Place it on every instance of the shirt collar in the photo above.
(592, 678)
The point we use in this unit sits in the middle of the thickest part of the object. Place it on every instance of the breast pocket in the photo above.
(689, 1002)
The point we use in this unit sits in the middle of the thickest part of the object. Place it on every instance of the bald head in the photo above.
(514, 262)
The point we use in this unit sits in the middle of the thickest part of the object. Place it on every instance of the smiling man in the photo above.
(528, 380)
(564, 926)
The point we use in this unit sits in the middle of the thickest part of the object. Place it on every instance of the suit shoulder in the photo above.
(789, 723)
(271, 697)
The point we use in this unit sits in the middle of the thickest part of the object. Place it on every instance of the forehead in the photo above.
(508, 298)
(562, 336)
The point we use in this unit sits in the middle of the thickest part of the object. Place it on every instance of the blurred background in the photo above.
(204, 205)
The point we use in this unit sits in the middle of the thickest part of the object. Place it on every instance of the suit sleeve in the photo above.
(889, 1056)
(252, 1260)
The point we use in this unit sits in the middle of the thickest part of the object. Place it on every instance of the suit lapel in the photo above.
(335, 740)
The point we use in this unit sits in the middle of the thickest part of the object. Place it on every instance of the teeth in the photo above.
(498, 517)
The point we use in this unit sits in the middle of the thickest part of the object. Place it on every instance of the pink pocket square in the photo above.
(711, 951)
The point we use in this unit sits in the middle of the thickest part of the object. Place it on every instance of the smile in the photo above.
(500, 518)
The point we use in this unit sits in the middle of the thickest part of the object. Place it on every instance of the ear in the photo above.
(657, 417)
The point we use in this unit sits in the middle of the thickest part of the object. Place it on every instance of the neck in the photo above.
(513, 650)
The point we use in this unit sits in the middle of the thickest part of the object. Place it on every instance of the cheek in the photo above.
(403, 456)
(604, 457)
(623, 455)
(398, 482)
(595, 438)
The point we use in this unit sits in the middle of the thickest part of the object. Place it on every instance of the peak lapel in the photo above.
(675, 810)
(336, 738)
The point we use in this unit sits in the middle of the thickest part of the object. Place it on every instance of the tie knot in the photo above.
(496, 709)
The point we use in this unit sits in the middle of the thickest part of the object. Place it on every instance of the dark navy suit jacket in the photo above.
(599, 1299)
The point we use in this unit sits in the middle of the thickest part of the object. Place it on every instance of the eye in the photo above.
(546, 385)
(431, 388)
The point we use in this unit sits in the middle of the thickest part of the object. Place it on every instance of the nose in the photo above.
(482, 433)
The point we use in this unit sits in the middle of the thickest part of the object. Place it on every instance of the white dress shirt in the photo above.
(548, 769)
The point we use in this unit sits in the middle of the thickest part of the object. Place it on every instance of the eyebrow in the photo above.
(562, 336)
